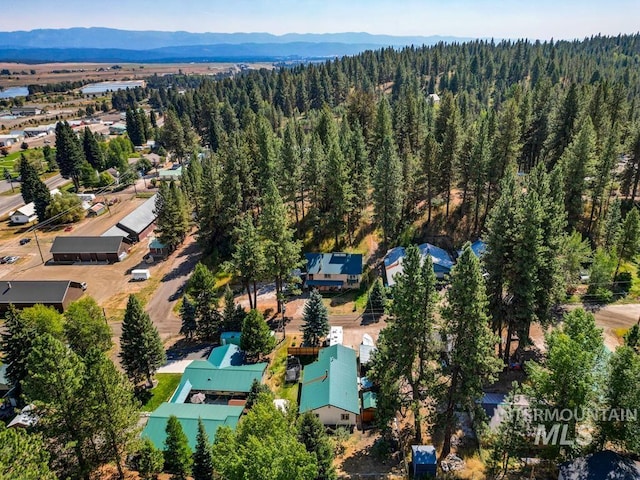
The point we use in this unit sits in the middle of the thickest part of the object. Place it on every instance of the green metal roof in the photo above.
(205, 377)
(331, 380)
(226, 356)
(369, 400)
(213, 417)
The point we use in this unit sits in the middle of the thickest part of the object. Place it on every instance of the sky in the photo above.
(533, 19)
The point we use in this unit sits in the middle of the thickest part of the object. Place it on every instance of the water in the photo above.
(103, 87)
(13, 92)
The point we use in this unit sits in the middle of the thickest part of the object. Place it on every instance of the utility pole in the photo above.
(35, 233)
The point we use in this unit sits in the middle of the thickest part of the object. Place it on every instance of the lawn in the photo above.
(276, 371)
(167, 384)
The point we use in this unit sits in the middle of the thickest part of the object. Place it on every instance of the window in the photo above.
(345, 416)
(327, 275)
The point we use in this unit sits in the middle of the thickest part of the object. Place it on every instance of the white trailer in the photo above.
(140, 275)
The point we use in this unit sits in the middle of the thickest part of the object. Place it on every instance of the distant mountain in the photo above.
(146, 40)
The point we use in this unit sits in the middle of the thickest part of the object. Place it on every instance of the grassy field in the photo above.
(167, 383)
(276, 372)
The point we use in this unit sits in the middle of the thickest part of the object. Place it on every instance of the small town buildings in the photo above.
(9, 140)
(223, 377)
(333, 271)
(138, 224)
(230, 338)
(101, 87)
(369, 406)
(212, 416)
(24, 214)
(442, 262)
(96, 209)
(600, 466)
(478, 248)
(27, 293)
(118, 129)
(26, 111)
(40, 130)
(330, 387)
(173, 173)
(89, 249)
(423, 460)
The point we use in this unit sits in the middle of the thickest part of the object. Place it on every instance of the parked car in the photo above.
(24, 241)
(68, 229)
(12, 259)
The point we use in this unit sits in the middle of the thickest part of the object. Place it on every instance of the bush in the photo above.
(622, 283)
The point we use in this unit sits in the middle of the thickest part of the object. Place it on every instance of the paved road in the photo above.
(11, 202)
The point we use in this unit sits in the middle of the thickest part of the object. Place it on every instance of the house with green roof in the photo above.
(333, 271)
(330, 387)
(222, 377)
(213, 417)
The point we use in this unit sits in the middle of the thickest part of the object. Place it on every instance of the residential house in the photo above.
(333, 271)
(40, 130)
(212, 416)
(157, 249)
(97, 210)
(230, 338)
(26, 111)
(330, 387)
(118, 129)
(24, 214)
(442, 262)
(605, 465)
(9, 140)
(89, 249)
(223, 377)
(27, 293)
(478, 248)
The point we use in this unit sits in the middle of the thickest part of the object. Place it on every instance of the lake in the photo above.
(13, 92)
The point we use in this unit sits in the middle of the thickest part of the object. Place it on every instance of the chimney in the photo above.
(326, 375)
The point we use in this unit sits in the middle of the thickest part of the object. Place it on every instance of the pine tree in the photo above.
(202, 457)
(613, 225)
(202, 289)
(29, 178)
(114, 409)
(150, 460)
(172, 224)
(232, 314)
(629, 241)
(339, 194)
(172, 135)
(471, 361)
(316, 320)
(23, 455)
(256, 339)
(69, 154)
(248, 258)
(177, 453)
(388, 190)
(257, 389)
(92, 151)
(377, 297)
(314, 437)
(189, 318)
(141, 350)
(563, 126)
(17, 339)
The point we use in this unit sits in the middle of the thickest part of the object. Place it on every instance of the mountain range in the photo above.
(109, 45)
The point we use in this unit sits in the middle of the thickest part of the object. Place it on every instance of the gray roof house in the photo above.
(605, 465)
(27, 293)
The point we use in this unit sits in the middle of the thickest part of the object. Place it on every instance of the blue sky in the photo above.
(471, 18)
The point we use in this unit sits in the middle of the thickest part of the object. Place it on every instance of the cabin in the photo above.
(333, 271)
(369, 406)
(157, 249)
(25, 214)
(330, 387)
(442, 262)
(89, 249)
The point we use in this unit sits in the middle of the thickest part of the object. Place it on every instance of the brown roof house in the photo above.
(51, 293)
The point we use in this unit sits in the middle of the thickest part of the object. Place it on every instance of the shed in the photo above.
(330, 387)
(293, 369)
(227, 338)
(423, 459)
(97, 210)
(88, 249)
(27, 293)
(369, 406)
(365, 355)
(158, 249)
(213, 417)
(605, 465)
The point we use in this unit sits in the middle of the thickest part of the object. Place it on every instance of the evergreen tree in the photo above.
(563, 126)
(249, 258)
(69, 154)
(172, 135)
(23, 456)
(232, 314)
(202, 289)
(150, 460)
(141, 350)
(85, 327)
(387, 189)
(188, 316)
(377, 297)
(172, 224)
(202, 457)
(316, 320)
(613, 225)
(257, 389)
(92, 151)
(114, 410)
(339, 193)
(471, 361)
(177, 453)
(601, 275)
(282, 252)
(629, 240)
(314, 437)
(17, 339)
(256, 339)
(28, 179)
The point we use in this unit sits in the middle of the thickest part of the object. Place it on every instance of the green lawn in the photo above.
(167, 384)
(276, 371)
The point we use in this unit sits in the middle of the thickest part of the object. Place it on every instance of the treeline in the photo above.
(56, 87)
